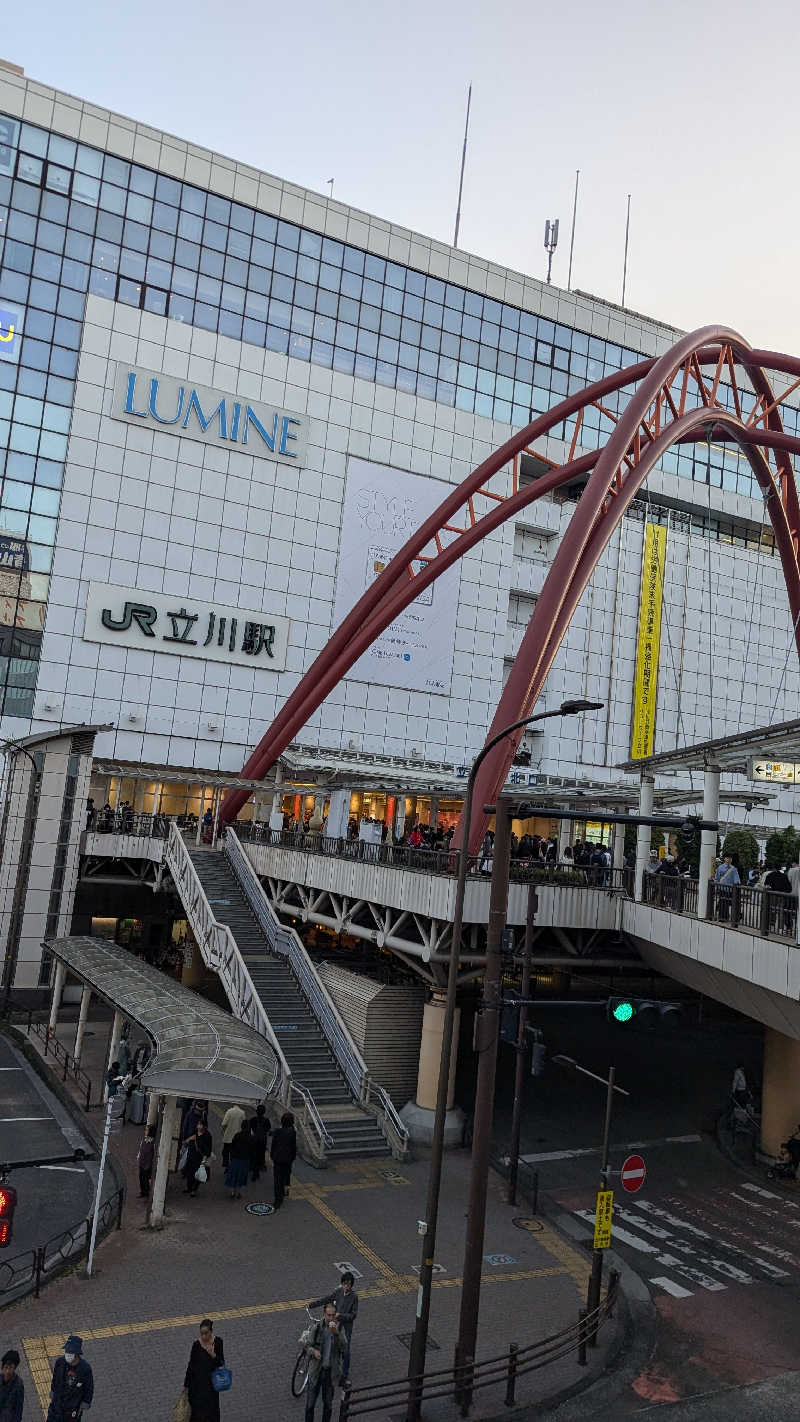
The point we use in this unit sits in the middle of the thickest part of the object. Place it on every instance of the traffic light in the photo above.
(8, 1204)
(509, 1018)
(687, 835)
(644, 1012)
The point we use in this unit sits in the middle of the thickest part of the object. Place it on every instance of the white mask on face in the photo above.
(69, 1357)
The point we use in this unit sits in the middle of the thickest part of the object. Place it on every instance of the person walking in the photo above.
(345, 1301)
(238, 1166)
(260, 1128)
(232, 1123)
(324, 1345)
(72, 1386)
(12, 1388)
(144, 1160)
(206, 1356)
(282, 1152)
(198, 1148)
(726, 877)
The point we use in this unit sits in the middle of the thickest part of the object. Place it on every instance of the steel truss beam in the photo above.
(675, 399)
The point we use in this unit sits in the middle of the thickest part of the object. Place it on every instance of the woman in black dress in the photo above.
(206, 1355)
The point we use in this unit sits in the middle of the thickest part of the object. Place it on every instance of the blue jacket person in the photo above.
(72, 1388)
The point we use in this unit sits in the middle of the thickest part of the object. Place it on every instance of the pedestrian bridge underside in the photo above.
(403, 900)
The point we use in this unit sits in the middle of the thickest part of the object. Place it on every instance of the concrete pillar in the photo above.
(86, 997)
(708, 838)
(113, 1047)
(434, 811)
(152, 1108)
(276, 813)
(430, 1052)
(58, 988)
(169, 1123)
(780, 1092)
(618, 849)
(643, 835)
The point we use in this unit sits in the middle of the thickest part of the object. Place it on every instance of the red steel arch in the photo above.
(673, 402)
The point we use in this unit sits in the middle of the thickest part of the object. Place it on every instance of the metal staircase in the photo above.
(272, 983)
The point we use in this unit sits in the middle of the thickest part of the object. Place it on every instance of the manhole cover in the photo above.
(405, 1339)
(527, 1222)
(260, 1209)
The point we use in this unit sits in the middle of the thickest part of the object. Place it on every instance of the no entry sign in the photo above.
(633, 1174)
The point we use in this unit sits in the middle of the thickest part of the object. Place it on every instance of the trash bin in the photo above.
(137, 1107)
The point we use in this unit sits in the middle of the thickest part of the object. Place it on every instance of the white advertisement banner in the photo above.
(382, 508)
(159, 622)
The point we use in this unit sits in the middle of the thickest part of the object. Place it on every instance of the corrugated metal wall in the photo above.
(386, 1024)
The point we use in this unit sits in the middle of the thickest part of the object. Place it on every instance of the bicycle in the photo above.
(302, 1361)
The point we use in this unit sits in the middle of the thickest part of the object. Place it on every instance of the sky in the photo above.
(692, 107)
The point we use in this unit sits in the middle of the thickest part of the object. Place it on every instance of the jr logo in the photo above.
(10, 332)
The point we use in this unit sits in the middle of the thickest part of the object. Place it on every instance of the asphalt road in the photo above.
(33, 1124)
(717, 1246)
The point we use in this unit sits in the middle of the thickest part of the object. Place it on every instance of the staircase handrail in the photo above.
(220, 951)
(287, 943)
(394, 1125)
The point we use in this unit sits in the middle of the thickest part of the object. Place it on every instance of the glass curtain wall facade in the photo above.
(74, 219)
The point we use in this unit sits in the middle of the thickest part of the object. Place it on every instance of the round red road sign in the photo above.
(633, 1174)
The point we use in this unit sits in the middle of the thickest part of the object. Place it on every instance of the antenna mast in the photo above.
(550, 243)
(463, 162)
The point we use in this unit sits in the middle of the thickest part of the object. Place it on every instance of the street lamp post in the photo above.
(521, 1046)
(419, 1339)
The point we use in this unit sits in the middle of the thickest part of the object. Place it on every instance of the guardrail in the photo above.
(286, 943)
(71, 1068)
(766, 912)
(505, 1369)
(35, 1266)
(126, 822)
(437, 861)
(220, 952)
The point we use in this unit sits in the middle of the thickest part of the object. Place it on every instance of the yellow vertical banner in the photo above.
(648, 642)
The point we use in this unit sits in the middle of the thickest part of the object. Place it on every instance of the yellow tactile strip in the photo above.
(39, 1351)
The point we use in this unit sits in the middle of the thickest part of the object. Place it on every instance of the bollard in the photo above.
(120, 1201)
(611, 1292)
(38, 1267)
(66, 1065)
(535, 1205)
(88, 1095)
(582, 1338)
(511, 1381)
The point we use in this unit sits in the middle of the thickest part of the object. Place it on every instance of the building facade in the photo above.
(225, 401)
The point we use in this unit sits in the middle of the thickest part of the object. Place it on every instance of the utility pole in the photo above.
(486, 1041)
(596, 1280)
(519, 1077)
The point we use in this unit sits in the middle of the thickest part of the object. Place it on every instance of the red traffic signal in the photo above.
(8, 1204)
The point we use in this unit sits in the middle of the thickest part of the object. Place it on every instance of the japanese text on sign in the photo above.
(648, 642)
(159, 622)
(602, 1219)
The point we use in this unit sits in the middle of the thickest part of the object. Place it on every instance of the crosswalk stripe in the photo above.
(769, 1195)
(668, 1236)
(623, 1236)
(676, 1220)
(670, 1287)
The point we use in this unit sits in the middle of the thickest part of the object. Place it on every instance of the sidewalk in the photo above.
(252, 1274)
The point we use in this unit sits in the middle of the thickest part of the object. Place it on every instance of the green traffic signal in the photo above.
(623, 1011)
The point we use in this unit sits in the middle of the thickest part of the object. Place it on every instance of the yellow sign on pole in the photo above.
(602, 1219)
(648, 642)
